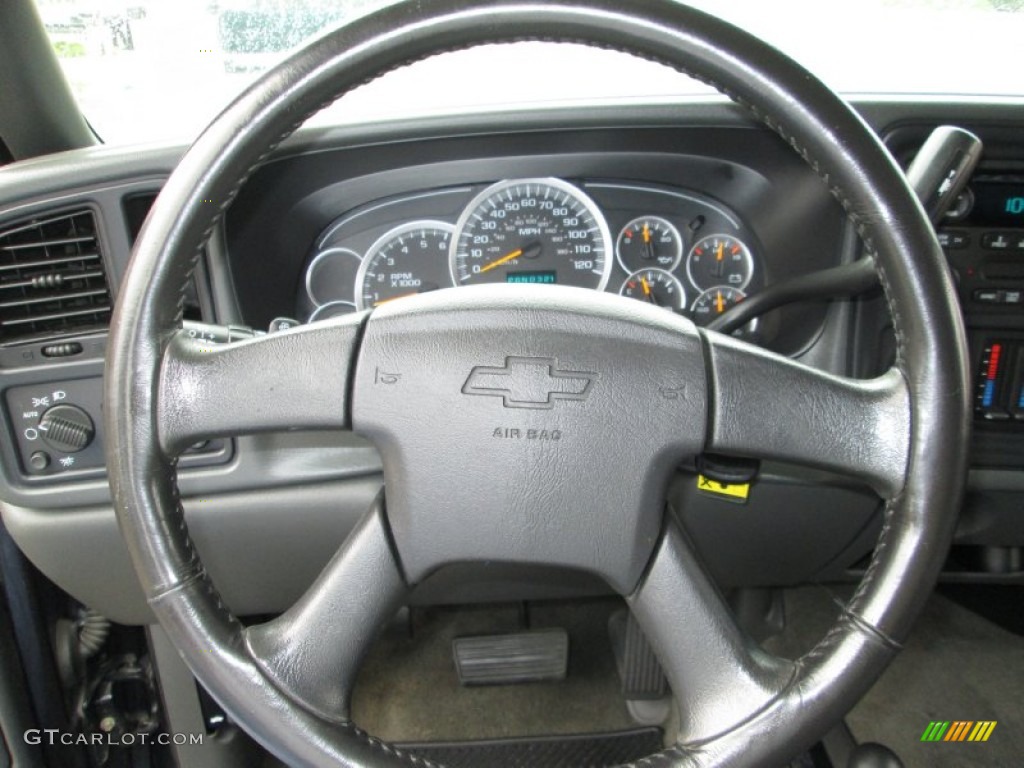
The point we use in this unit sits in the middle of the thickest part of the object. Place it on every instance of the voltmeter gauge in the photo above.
(655, 286)
(714, 302)
(649, 241)
(719, 260)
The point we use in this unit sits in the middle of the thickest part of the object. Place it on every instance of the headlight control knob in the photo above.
(67, 428)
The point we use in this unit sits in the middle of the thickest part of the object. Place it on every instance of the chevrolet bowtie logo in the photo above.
(529, 382)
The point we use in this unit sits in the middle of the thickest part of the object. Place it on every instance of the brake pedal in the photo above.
(522, 657)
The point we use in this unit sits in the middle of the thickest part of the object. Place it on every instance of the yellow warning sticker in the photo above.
(738, 492)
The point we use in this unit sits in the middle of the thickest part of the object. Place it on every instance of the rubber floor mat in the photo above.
(584, 751)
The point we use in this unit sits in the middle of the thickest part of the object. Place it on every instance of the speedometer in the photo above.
(542, 231)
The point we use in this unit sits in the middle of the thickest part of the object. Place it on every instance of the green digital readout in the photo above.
(998, 203)
(547, 277)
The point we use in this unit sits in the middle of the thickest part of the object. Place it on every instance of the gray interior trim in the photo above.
(38, 113)
(264, 547)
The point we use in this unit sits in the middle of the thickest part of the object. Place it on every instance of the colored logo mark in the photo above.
(958, 730)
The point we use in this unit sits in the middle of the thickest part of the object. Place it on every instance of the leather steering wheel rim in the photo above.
(151, 369)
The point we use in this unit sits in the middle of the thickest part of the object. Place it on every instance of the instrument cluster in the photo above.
(670, 247)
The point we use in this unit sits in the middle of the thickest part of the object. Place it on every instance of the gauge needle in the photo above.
(719, 260)
(648, 293)
(719, 302)
(648, 246)
(528, 252)
(425, 288)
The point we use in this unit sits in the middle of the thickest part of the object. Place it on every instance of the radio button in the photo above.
(997, 241)
(954, 241)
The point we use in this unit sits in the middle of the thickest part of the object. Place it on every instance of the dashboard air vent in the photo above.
(52, 278)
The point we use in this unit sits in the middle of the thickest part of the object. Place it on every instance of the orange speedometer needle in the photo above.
(503, 260)
(529, 251)
(647, 233)
(720, 252)
(719, 302)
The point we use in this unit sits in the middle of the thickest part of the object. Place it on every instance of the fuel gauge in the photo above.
(655, 286)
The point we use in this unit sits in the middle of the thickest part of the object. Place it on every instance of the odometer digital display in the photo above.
(548, 277)
(542, 230)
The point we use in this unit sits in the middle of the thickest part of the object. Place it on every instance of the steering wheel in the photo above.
(430, 379)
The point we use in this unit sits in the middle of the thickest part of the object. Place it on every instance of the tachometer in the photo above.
(407, 260)
(532, 231)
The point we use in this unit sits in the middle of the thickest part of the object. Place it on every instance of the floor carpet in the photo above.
(408, 690)
(956, 666)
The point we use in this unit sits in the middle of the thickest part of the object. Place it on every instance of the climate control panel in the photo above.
(999, 394)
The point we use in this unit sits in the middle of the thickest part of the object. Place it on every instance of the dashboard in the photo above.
(691, 208)
(670, 247)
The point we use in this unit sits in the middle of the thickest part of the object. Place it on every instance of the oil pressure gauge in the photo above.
(649, 241)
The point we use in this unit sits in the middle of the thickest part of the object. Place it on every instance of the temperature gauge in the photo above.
(649, 241)
(719, 260)
(655, 286)
(714, 302)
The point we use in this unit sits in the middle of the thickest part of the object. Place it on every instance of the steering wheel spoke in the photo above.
(294, 379)
(719, 676)
(312, 651)
(765, 405)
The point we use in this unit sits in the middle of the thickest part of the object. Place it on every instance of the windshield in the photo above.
(156, 70)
